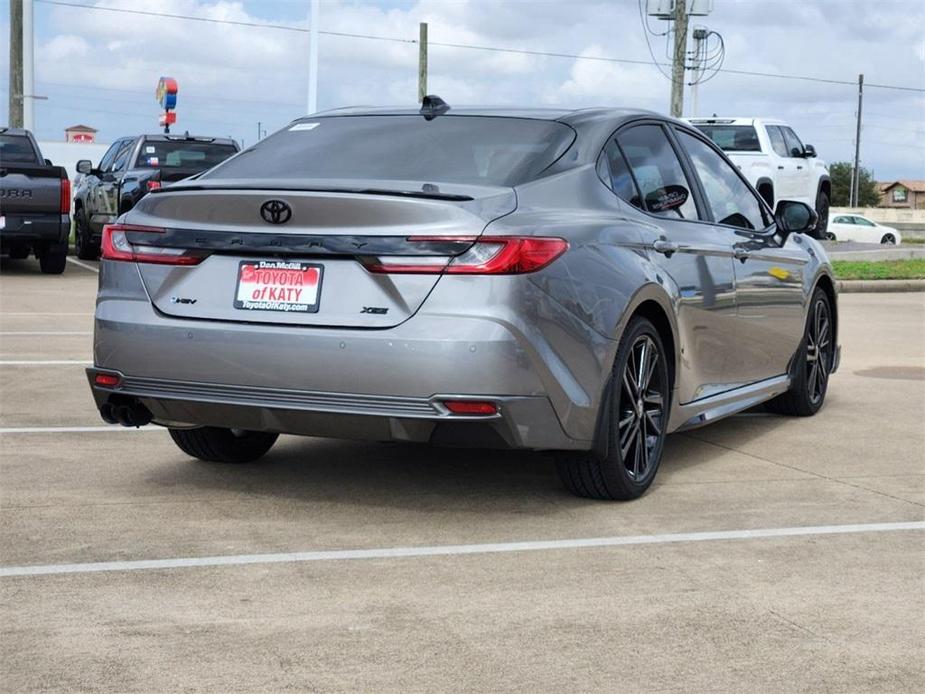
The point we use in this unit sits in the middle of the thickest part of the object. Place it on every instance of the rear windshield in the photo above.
(17, 149)
(193, 156)
(732, 138)
(475, 150)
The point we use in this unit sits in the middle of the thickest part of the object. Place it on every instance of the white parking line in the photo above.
(39, 362)
(44, 333)
(83, 265)
(451, 550)
(73, 430)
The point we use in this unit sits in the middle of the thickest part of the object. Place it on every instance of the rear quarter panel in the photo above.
(573, 312)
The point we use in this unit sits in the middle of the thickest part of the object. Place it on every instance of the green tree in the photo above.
(868, 192)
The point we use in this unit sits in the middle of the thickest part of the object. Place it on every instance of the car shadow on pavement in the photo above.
(422, 477)
(381, 475)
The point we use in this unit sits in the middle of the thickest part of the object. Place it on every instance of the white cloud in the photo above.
(101, 67)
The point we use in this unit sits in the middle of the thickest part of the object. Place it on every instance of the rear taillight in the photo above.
(153, 185)
(116, 246)
(65, 196)
(488, 255)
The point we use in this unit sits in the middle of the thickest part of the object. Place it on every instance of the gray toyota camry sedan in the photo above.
(582, 282)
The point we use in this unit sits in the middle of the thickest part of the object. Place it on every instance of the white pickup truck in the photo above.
(774, 160)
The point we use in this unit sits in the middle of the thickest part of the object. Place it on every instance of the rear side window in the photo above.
(732, 138)
(453, 149)
(730, 199)
(182, 154)
(616, 174)
(663, 186)
(843, 220)
(777, 141)
(16, 149)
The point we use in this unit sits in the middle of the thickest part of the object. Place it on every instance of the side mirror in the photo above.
(794, 217)
(48, 162)
(84, 166)
(809, 151)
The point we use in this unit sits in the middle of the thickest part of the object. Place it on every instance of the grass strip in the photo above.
(909, 269)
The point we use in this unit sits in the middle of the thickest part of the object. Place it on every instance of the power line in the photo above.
(549, 54)
(209, 20)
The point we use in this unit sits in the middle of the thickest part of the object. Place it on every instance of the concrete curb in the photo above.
(851, 286)
(877, 254)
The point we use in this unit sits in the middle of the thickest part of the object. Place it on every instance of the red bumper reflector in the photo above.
(110, 380)
(471, 407)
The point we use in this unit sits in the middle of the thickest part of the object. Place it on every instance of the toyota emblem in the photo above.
(275, 211)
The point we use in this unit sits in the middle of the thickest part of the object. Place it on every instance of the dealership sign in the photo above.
(167, 97)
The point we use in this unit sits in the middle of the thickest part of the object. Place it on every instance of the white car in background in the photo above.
(854, 227)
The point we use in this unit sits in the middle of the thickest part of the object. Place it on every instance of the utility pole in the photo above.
(15, 90)
(313, 57)
(422, 62)
(856, 174)
(697, 67)
(28, 68)
(680, 56)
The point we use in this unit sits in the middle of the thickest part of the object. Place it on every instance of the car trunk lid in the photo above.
(297, 255)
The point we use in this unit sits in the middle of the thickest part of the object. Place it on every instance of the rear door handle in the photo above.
(800, 167)
(666, 247)
(780, 168)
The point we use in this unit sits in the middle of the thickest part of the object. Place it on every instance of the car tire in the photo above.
(888, 239)
(83, 246)
(822, 209)
(814, 362)
(633, 421)
(53, 259)
(218, 445)
(829, 236)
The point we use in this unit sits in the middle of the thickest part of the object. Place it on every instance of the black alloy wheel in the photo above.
(820, 351)
(633, 422)
(813, 363)
(641, 409)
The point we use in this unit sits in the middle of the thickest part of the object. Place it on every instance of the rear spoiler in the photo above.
(423, 194)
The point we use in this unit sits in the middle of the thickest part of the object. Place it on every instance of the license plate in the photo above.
(278, 285)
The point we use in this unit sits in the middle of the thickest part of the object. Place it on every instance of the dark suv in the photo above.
(131, 167)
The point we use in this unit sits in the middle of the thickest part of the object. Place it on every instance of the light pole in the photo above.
(313, 56)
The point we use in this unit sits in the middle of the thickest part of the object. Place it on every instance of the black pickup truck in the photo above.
(35, 202)
(130, 168)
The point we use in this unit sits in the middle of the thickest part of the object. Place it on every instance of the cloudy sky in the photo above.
(100, 68)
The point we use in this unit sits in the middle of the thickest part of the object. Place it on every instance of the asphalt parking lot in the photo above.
(838, 607)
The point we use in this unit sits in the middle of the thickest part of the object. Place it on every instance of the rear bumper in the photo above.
(382, 384)
(41, 228)
(521, 422)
